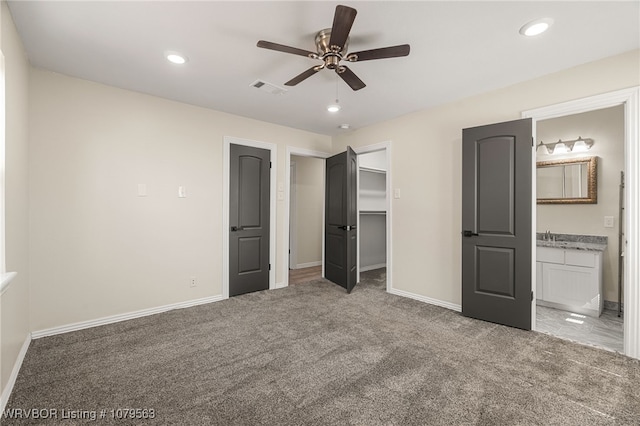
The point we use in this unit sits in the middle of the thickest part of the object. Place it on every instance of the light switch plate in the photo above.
(396, 193)
(182, 192)
(608, 221)
(142, 190)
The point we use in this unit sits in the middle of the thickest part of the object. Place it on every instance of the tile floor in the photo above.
(604, 332)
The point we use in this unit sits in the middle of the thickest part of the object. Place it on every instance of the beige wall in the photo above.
(426, 166)
(97, 249)
(15, 301)
(606, 128)
(309, 204)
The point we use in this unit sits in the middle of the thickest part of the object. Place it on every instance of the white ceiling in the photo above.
(458, 49)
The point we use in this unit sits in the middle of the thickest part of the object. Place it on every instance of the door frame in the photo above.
(381, 146)
(630, 98)
(299, 152)
(226, 157)
(293, 246)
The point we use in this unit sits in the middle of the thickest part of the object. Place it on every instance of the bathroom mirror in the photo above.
(570, 181)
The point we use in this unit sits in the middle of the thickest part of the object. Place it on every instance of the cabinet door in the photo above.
(570, 285)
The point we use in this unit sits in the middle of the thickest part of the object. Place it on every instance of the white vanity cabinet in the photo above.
(570, 279)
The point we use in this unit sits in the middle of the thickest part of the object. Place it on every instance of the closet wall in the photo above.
(373, 215)
(308, 185)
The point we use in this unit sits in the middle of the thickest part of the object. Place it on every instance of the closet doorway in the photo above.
(293, 168)
(303, 194)
(374, 215)
(306, 207)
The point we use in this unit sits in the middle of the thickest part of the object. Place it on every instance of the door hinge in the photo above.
(269, 266)
(270, 164)
(532, 142)
(532, 296)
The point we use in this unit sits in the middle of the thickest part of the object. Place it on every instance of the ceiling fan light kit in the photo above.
(331, 48)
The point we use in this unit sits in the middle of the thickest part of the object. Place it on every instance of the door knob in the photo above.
(469, 234)
(236, 228)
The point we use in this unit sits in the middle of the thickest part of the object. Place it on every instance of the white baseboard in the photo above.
(6, 392)
(279, 285)
(123, 317)
(448, 305)
(308, 264)
(372, 267)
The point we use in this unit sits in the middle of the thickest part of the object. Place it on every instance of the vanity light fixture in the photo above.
(536, 27)
(563, 147)
(582, 145)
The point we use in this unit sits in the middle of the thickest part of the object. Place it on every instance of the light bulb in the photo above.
(560, 148)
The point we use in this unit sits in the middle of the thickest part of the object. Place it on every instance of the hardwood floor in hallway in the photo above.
(304, 275)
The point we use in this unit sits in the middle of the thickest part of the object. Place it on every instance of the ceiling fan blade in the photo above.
(286, 49)
(303, 76)
(350, 78)
(382, 53)
(342, 23)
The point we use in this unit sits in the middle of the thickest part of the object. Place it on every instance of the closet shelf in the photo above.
(382, 212)
(372, 170)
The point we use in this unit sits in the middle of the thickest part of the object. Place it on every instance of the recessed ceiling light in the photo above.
(536, 27)
(333, 108)
(175, 58)
(344, 126)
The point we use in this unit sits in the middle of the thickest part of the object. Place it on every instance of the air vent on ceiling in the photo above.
(268, 87)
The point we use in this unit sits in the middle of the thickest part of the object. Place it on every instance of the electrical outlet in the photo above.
(608, 221)
(193, 282)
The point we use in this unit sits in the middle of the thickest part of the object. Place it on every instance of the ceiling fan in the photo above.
(331, 44)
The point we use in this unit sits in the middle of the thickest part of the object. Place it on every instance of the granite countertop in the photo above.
(574, 242)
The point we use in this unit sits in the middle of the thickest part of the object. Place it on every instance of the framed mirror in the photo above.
(570, 181)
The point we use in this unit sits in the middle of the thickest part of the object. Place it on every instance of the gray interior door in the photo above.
(248, 219)
(496, 223)
(341, 214)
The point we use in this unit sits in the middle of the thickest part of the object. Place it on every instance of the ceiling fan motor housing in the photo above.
(331, 55)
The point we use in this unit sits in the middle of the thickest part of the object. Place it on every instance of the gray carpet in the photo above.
(312, 355)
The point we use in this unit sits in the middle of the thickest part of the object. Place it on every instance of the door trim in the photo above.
(273, 149)
(382, 146)
(293, 246)
(630, 98)
(300, 152)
